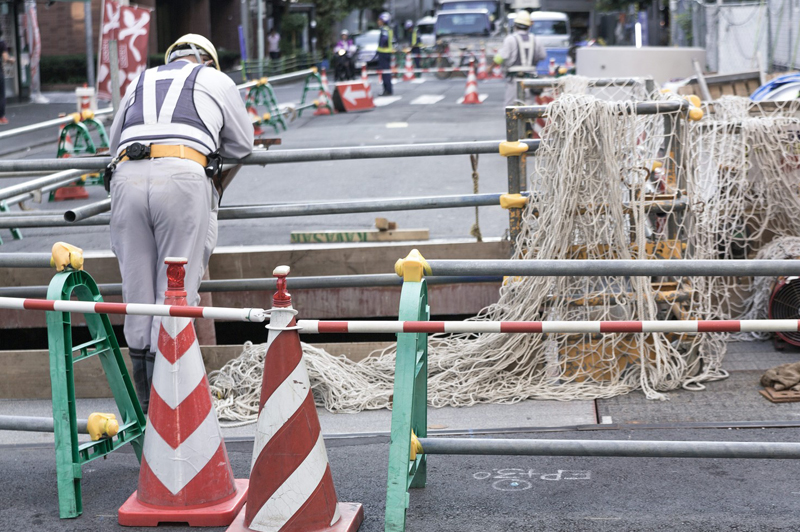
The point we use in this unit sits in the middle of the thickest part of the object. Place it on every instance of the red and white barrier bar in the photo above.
(578, 327)
(136, 309)
(396, 71)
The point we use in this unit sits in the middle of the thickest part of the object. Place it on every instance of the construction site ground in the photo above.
(463, 493)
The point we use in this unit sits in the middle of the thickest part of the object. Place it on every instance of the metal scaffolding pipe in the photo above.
(296, 283)
(25, 260)
(80, 213)
(49, 123)
(639, 108)
(89, 215)
(280, 78)
(19, 198)
(35, 424)
(359, 206)
(600, 268)
(36, 184)
(620, 448)
(599, 82)
(293, 156)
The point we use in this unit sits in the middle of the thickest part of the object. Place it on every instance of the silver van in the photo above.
(551, 28)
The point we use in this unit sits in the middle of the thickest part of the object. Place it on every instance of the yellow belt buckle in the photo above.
(183, 156)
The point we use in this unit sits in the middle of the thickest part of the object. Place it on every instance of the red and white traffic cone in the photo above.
(569, 64)
(408, 75)
(322, 103)
(497, 70)
(255, 119)
(292, 484)
(185, 474)
(471, 93)
(482, 72)
(393, 66)
(551, 68)
(324, 81)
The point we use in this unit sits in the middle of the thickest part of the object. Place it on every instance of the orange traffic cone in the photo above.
(365, 80)
(497, 70)
(185, 474)
(551, 68)
(292, 484)
(482, 72)
(324, 80)
(408, 75)
(255, 119)
(471, 94)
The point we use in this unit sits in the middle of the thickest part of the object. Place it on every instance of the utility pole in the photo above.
(245, 14)
(260, 37)
(87, 21)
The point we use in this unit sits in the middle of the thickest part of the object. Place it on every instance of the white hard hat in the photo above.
(523, 18)
(195, 44)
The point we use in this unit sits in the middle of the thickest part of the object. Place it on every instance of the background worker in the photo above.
(174, 121)
(385, 51)
(519, 55)
(274, 44)
(413, 42)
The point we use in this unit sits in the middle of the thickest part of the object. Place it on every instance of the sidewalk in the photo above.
(25, 114)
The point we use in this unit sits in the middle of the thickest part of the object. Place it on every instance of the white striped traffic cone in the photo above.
(482, 72)
(324, 80)
(393, 66)
(471, 93)
(292, 485)
(551, 68)
(365, 80)
(185, 474)
(497, 70)
(408, 75)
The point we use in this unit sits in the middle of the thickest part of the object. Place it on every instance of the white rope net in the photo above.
(606, 184)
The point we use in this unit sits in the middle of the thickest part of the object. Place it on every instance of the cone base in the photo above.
(322, 111)
(352, 515)
(134, 513)
(471, 100)
(70, 193)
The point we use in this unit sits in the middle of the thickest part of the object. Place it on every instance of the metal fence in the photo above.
(742, 36)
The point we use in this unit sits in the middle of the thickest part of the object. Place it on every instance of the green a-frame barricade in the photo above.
(70, 455)
(409, 407)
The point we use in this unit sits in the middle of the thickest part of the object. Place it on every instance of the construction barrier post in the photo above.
(409, 407)
(16, 233)
(185, 475)
(291, 485)
(70, 456)
(517, 173)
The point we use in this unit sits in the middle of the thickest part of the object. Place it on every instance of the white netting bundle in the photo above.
(607, 184)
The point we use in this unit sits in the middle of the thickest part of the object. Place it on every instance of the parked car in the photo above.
(367, 44)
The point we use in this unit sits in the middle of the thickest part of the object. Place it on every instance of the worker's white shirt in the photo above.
(509, 51)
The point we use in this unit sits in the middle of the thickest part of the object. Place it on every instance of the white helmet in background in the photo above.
(194, 45)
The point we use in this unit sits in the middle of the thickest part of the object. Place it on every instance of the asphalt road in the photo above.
(477, 493)
(401, 121)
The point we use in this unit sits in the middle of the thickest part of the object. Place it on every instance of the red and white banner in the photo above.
(130, 27)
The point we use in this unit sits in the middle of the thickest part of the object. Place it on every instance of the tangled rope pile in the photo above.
(607, 184)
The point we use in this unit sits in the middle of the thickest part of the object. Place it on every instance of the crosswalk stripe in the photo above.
(427, 99)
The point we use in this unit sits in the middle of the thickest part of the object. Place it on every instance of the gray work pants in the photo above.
(160, 208)
(511, 91)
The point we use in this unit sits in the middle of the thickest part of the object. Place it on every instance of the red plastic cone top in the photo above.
(292, 488)
(471, 94)
(408, 75)
(185, 474)
(322, 105)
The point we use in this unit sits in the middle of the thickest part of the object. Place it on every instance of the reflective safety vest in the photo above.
(163, 109)
(525, 52)
(388, 48)
(414, 41)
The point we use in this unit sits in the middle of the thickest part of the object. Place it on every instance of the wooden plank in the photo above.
(740, 89)
(727, 90)
(715, 91)
(370, 235)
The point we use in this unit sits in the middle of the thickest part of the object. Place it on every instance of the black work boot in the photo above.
(140, 381)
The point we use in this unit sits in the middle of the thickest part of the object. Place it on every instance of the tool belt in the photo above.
(212, 164)
(137, 151)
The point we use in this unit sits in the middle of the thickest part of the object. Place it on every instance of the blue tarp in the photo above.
(559, 54)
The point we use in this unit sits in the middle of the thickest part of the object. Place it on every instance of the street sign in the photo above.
(352, 96)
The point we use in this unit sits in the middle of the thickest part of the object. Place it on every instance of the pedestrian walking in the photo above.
(385, 51)
(4, 58)
(175, 123)
(413, 41)
(274, 44)
(519, 55)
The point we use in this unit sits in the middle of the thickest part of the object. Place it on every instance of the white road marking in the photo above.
(418, 80)
(427, 99)
(396, 125)
(380, 101)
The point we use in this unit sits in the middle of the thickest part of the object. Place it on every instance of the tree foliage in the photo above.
(621, 5)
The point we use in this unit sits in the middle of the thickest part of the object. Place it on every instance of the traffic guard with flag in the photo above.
(185, 475)
(352, 96)
(291, 484)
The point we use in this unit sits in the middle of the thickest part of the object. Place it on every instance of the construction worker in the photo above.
(173, 126)
(519, 55)
(413, 41)
(385, 52)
